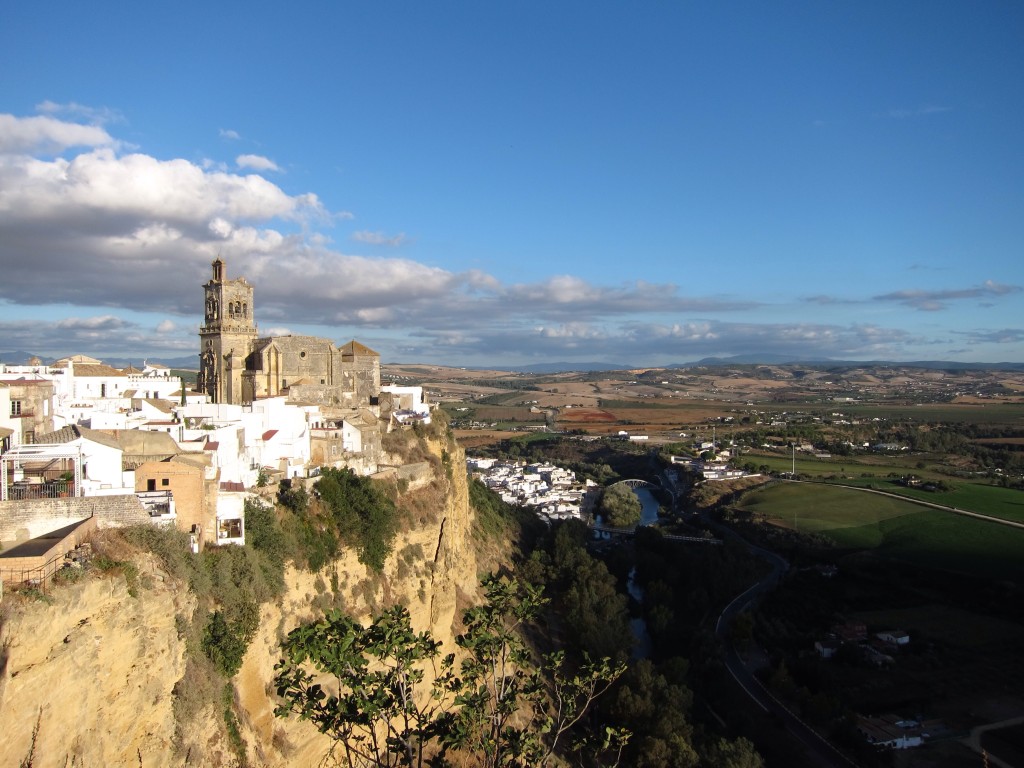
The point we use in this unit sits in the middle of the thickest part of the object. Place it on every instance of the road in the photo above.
(818, 748)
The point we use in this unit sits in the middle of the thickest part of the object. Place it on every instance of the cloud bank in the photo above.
(127, 232)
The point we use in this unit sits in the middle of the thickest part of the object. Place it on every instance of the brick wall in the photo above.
(186, 483)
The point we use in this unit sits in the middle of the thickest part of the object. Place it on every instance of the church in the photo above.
(237, 366)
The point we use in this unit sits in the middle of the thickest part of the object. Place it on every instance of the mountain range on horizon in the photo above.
(189, 363)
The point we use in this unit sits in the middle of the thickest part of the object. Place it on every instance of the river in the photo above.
(649, 513)
(648, 516)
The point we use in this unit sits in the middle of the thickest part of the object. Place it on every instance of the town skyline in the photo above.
(519, 185)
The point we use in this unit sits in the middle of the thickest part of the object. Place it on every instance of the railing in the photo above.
(37, 577)
(51, 490)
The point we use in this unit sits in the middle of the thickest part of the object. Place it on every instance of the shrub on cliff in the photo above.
(363, 515)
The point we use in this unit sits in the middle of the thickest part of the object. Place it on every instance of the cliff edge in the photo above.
(89, 673)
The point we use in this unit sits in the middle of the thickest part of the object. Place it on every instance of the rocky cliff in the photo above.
(90, 673)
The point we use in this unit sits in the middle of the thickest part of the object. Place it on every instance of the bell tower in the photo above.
(226, 336)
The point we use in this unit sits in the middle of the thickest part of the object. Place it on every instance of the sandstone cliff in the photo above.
(96, 668)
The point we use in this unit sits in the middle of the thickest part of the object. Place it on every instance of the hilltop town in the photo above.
(85, 444)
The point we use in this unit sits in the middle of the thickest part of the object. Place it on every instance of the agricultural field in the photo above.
(892, 529)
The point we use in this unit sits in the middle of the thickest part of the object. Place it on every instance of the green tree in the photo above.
(620, 507)
(373, 711)
(384, 708)
(656, 710)
(733, 754)
(228, 634)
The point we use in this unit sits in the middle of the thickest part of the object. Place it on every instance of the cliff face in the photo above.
(97, 667)
(94, 668)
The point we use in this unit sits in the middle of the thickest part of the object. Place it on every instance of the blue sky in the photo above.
(520, 182)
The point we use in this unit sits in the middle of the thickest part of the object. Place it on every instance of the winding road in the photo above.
(818, 748)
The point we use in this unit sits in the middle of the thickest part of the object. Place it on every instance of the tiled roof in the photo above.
(87, 369)
(62, 435)
(355, 348)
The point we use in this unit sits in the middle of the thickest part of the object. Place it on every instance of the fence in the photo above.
(38, 577)
(49, 490)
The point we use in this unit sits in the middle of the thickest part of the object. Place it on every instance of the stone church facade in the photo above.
(237, 366)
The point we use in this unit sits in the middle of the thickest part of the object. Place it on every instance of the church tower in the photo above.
(226, 337)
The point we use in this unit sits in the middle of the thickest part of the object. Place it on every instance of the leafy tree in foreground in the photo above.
(384, 709)
(375, 712)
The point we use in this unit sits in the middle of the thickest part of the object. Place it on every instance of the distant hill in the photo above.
(935, 365)
(766, 359)
(562, 367)
(190, 362)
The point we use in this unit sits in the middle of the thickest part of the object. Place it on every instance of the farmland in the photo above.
(871, 445)
(892, 528)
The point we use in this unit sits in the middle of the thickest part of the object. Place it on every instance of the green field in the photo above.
(817, 508)
(855, 520)
(985, 499)
(1005, 503)
(875, 464)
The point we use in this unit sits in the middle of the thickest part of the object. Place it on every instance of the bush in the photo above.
(363, 515)
(227, 636)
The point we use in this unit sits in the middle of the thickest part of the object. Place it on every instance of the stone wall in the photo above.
(16, 568)
(24, 520)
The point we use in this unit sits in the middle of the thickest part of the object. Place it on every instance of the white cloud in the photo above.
(378, 238)
(166, 326)
(102, 322)
(227, 133)
(95, 115)
(48, 135)
(934, 301)
(256, 163)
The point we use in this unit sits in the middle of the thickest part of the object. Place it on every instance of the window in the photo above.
(165, 482)
(15, 407)
(151, 485)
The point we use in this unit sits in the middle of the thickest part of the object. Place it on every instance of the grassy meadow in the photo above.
(891, 528)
